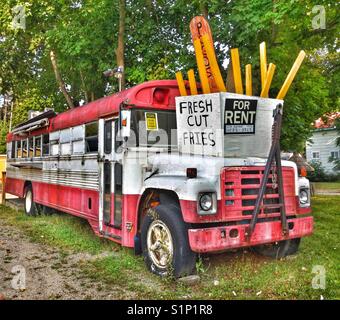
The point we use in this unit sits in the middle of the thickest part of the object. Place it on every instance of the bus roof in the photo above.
(158, 94)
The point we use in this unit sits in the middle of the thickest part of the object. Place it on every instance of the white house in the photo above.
(322, 144)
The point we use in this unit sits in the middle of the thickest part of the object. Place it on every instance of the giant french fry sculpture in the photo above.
(209, 72)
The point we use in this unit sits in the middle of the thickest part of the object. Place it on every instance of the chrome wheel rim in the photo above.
(160, 245)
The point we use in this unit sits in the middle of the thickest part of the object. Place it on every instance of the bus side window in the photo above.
(18, 149)
(54, 143)
(9, 150)
(24, 148)
(46, 145)
(78, 146)
(118, 140)
(108, 137)
(65, 142)
(91, 137)
(30, 147)
(37, 146)
(13, 150)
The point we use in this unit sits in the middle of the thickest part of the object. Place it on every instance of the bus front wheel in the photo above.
(165, 242)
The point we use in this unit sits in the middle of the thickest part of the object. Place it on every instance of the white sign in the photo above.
(199, 124)
(225, 125)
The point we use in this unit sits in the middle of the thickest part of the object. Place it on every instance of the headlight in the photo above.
(206, 202)
(304, 198)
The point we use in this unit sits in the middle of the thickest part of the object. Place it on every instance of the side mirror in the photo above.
(125, 123)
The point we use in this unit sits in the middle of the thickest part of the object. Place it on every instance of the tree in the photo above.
(151, 38)
(121, 44)
(60, 80)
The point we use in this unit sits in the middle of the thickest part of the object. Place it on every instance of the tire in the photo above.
(178, 259)
(279, 249)
(46, 211)
(30, 207)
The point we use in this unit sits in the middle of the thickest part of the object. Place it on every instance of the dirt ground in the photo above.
(35, 271)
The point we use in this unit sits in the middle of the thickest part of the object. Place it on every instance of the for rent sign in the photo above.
(240, 116)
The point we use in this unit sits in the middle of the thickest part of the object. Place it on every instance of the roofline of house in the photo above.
(325, 129)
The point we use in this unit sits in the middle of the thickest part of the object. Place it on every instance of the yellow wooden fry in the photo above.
(192, 82)
(235, 60)
(263, 63)
(215, 69)
(291, 75)
(268, 82)
(249, 81)
(181, 84)
(201, 66)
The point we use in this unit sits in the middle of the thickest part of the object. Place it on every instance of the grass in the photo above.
(236, 275)
(329, 186)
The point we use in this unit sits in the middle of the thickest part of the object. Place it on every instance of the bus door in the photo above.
(111, 180)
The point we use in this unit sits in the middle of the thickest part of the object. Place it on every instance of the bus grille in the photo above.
(240, 187)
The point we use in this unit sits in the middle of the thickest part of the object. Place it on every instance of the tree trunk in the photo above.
(230, 78)
(84, 86)
(11, 117)
(204, 9)
(121, 45)
(5, 111)
(274, 26)
(60, 80)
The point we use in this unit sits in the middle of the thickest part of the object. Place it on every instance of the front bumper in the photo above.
(230, 237)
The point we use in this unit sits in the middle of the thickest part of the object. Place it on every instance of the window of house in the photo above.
(18, 148)
(91, 137)
(46, 145)
(78, 145)
(30, 147)
(37, 146)
(54, 143)
(316, 155)
(335, 154)
(24, 148)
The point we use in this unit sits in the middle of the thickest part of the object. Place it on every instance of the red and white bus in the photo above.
(116, 163)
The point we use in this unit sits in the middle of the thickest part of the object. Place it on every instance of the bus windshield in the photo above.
(153, 128)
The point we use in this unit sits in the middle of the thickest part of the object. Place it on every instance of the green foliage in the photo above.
(3, 132)
(320, 175)
(83, 35)
(31, 100)
(336, 162)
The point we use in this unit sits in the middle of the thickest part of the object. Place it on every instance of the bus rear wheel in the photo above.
(31, 208)
(165, 242)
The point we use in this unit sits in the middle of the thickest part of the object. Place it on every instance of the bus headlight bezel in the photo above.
(304, 197)
(207, 203)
